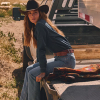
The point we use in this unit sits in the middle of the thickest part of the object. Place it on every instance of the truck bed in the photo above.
(86, 90)
(78, 91)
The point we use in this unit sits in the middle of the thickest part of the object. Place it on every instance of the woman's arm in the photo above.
(41, 32)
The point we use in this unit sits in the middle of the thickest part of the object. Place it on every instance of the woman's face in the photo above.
(33, 16)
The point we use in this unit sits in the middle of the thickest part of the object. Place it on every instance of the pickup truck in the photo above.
(80, 33)
(64, 14)
(58, 90)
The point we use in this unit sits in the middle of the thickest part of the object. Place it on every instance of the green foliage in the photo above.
(2, 13)
(8, 47)
(10, 85)
(1, 34)
(11, 36)
(20, 6)
(17, 98)
(0, 24)
(6, 95)
(9, 12)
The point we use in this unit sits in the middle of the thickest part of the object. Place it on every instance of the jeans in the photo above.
(31, 88)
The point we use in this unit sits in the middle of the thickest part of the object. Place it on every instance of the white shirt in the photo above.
(32, 49)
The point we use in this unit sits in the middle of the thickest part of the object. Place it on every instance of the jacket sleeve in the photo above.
(41, 46)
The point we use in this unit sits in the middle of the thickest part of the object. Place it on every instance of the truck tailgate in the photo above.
(89, 90)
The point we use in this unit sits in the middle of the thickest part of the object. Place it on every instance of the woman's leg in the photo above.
(34, 87)
(24, 92)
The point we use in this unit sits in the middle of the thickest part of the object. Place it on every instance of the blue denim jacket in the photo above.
(46, 36)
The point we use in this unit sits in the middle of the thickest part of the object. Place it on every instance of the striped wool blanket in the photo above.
(91, 72)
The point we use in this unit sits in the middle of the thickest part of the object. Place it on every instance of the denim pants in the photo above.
(31, 88)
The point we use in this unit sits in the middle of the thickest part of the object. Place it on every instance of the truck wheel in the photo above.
(26, 57)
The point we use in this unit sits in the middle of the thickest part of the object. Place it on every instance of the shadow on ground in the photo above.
(18, 75)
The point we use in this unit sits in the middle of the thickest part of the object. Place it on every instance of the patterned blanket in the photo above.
(91, 72)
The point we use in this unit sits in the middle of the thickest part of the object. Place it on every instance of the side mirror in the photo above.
(16, 14)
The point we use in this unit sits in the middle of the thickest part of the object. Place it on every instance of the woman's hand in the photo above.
(39, 77)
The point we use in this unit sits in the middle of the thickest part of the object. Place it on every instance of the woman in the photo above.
(45, 34)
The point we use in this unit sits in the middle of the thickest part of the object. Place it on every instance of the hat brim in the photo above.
(43, 8)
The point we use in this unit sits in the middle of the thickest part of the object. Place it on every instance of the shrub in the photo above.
(9, 12)
(7, 47)
(2, 13)
(20, 6)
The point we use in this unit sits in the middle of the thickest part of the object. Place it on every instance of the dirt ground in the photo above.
(11, 72)
(16, 27)
(11, 75)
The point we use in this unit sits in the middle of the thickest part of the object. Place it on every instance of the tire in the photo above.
(26, 57)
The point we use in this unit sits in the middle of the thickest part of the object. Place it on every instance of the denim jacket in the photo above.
(46, 36)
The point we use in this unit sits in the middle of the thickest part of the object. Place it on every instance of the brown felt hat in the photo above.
(33, 5)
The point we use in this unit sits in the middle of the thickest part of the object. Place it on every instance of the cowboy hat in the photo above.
(33, 5)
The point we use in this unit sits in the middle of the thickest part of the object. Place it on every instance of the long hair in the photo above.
(28, 26)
